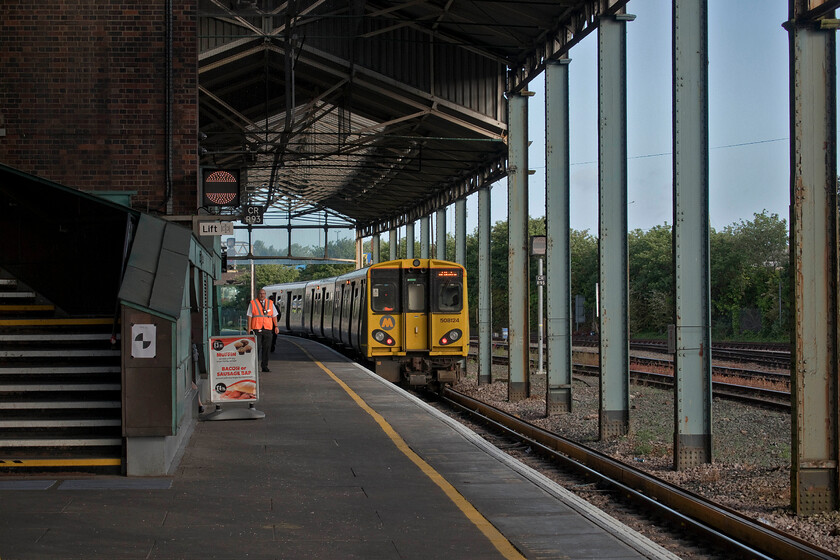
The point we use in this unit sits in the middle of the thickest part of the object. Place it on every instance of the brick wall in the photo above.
(83, 96)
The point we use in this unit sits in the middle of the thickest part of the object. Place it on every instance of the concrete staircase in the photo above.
(60, 394)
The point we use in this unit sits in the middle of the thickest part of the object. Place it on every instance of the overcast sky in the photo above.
(749, 159)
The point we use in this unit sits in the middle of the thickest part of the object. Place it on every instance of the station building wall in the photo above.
(83, 96)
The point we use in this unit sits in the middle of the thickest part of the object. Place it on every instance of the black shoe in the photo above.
(266, 369)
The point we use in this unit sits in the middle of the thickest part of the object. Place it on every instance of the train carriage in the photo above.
(408, 317)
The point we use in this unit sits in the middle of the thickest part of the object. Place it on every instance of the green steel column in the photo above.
(393, 244)
(485, 320)
(814, 387)
(461, 231)
(440, 231)
(425, 236)
(409, 240)
(374, 248)
(518, 281)
(558, 396)
(612, 226)
(693, 358)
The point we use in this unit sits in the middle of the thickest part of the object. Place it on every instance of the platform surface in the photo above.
(343, 466)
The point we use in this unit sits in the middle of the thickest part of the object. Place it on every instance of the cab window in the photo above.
(448, 290)
(384, 291)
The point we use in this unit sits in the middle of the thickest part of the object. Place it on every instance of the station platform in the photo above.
(344, 465)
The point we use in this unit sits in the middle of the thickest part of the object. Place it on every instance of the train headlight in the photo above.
(383, 338)
(451, 337)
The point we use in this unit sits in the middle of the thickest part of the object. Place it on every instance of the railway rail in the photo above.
(776, 355)
(748, 394)
(725, 527)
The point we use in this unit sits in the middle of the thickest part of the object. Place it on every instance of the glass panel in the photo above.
(448, 290)
(384, 290)
(416, 296)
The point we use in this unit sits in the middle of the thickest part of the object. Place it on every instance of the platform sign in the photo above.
(252, 215)
(215, 228)
(233, 369)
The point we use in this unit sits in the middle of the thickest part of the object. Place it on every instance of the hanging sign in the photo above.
(233, 369)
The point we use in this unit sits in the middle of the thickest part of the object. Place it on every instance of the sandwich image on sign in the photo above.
(244, 389)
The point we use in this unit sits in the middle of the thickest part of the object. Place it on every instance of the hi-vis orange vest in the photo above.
(262, 317)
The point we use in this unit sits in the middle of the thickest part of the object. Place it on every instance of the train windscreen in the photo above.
(448, 288)
(385, 290)
(416, 283)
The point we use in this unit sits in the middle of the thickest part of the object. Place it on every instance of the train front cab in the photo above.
(417, 328)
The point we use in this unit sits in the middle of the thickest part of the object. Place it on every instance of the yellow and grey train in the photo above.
(408, 317)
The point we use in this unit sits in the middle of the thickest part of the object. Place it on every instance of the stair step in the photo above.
(56, 322)
(16, 295)
(30, 388)
(59, 370)
(60, 442)
(64, 353)
(58, 405)
(37, 337)
(34, 308)
(58, 423)
(59, 463)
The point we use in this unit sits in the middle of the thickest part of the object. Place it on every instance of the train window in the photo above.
(448, 290)
(416, 300)
(384, 291)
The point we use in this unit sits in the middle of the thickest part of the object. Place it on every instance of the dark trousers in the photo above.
(264, 346)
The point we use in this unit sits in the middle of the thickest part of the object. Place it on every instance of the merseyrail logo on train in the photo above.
(386, 323)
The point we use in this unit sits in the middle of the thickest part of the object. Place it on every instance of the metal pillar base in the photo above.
(517, 391)
(614, 423)
(234, 413)
(692, 450)
(558, 400)
(817, 491)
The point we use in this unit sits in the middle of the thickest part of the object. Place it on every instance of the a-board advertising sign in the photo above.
(233, 369)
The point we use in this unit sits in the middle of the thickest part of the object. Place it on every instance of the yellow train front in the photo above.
(417, 328)
(407, 317)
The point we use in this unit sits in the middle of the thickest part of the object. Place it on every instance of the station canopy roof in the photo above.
(374, 112)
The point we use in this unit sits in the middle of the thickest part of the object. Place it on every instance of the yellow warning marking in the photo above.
(46, 322)
(59, 462)
(496, 538)
(27, 307)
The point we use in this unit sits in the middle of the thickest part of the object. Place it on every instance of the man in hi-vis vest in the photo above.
(262, 322)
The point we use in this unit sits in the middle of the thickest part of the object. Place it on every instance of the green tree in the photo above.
(651, 276)
(749, 271)
(583, 249)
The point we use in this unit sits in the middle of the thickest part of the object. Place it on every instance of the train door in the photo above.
(286, 306)
(325, 312)
(354, 316)
(309, 311)
(344, 318)
(416, 305)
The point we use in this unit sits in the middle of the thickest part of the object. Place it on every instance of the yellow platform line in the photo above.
(59, 462)
(493, 535)
(51, 322)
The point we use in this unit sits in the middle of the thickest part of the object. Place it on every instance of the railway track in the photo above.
(728, 529)
(766, 354)
(746, 394)
(757, 396)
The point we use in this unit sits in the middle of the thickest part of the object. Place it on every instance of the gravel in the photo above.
(751, 448)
